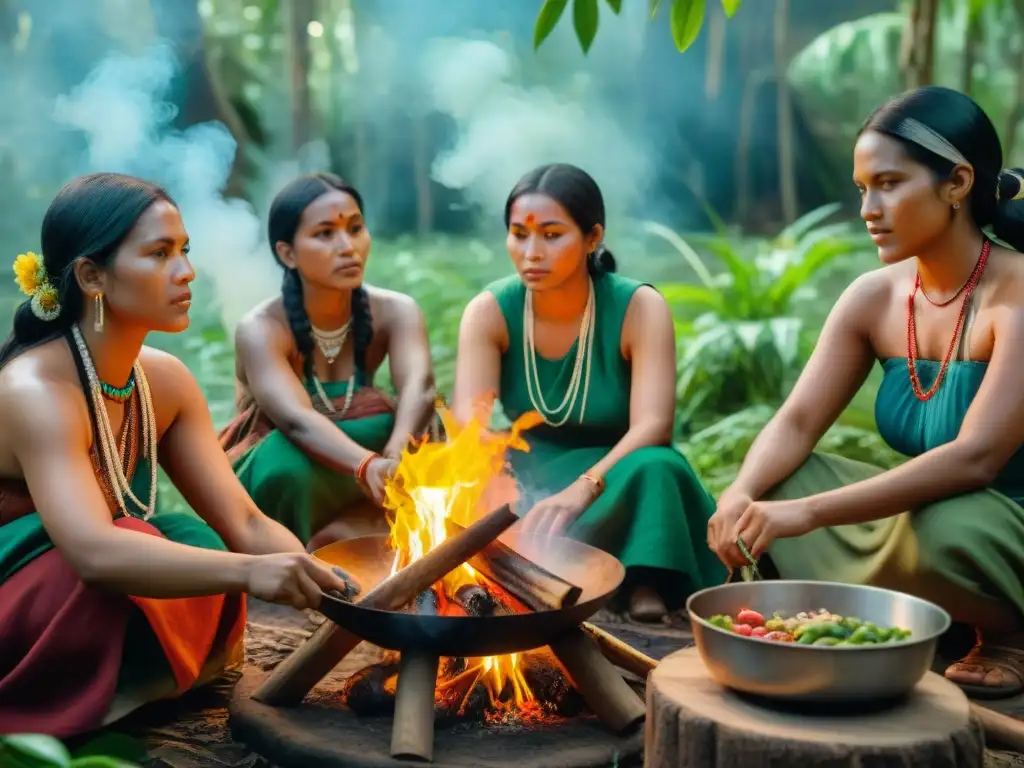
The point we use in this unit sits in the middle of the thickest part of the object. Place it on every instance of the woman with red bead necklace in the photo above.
(945, 319)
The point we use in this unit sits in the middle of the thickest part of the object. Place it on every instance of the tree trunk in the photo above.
(918, 54)
(787, 161)
(1016, 113)
(299, 14)
(421, 170)
(972, 39)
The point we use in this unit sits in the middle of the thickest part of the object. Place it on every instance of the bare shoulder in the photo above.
(172, 383)
(41, 398)
(482, 319)
(648, 305)
(263, 325)
(1006, 269)
(392, 307)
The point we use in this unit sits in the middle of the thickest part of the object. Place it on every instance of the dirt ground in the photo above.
(193, 732)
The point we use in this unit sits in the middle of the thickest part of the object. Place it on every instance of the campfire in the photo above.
(437, 491)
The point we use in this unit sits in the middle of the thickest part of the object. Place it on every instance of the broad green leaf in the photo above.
(652, 7)
(685, 20)
(615, 5)
(731, 6)
(687, 294)
(43, 748)
(99, 761)
(795, 231)
(548, 17)
(584, 19)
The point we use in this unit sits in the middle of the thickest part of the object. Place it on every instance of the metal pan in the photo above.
(368, 560)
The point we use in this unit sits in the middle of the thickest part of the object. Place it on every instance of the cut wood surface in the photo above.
(693, 722)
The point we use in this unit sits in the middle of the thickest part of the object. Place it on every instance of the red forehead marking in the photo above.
(530, 219)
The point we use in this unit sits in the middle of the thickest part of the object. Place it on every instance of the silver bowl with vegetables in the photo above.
(815, 641)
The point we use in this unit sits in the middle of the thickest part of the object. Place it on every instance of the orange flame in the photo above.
(457, 480)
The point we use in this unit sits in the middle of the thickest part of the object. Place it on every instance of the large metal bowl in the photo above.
(808, 673)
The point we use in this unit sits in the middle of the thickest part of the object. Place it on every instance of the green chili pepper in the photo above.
(809, 634)
(863, 635)
(851, 622)
(827, 641)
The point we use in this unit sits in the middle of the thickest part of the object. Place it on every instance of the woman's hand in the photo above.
(555, 514)
(378, 472)
(765, 521)
(721, 540)
(291, 578)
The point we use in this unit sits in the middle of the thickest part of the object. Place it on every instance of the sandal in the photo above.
(985, 658)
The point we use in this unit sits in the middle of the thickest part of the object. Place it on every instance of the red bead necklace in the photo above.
(968, 289)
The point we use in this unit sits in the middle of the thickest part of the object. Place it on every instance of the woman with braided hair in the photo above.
(314, 441)
(945, 319)
(106, 603)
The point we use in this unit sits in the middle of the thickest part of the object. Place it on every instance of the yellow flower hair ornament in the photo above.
(31, 277)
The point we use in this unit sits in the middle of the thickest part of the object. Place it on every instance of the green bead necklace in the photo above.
(119, 394)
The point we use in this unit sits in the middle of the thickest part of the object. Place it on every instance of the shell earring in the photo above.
(98, 320)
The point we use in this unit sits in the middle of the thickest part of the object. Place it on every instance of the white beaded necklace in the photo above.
(331, 342)
(584, 356)
(109, 454)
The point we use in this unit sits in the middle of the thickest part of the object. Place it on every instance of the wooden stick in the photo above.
(412, 731)
(1007, 730)
(606, 692)
(619, 653)
(999, 727)
(294, 677)
(534, 585)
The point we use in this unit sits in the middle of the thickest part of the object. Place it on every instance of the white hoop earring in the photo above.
(956, 206)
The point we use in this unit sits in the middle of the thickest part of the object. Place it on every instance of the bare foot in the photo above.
(646, 605)
(993, 669)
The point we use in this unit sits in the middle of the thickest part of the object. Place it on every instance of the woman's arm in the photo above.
(412, 372)
(649, 337)
(838, 367)
(51, 425)
(200, 470)
(991, 432)
(482, 337)
(263, 346)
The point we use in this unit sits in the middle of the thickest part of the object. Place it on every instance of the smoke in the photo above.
(121, 110)
(505, 129)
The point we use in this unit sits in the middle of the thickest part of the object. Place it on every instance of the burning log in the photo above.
(294, 677)
(367, 694)
(536, 586)
(476, 600)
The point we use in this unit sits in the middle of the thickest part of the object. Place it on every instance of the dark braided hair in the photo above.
(88, 219)
(576, 191)
(285, 214)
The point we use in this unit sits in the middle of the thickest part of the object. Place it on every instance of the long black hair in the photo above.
(283, 222)
(88, 219)
(959, 120)
(576, 191)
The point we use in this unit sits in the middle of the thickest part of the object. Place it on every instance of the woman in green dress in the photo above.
(314, 441)
(594, 354)
(106, 603)
(945, 319)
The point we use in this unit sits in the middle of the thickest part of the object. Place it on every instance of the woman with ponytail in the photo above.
(105, 602)
(945, 320)
(314, 441)
(594, 354)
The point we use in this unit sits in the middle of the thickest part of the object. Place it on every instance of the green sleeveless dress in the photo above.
(963, 552)
(654, 511)
(298, 492)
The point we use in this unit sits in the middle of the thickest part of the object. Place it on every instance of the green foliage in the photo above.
(686, 17)
(109, 750)
(742, 338)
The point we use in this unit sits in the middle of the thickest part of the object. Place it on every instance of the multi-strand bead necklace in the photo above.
(109, 454)
(579, 377)
(966, 289)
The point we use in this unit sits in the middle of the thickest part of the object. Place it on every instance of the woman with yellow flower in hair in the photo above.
(104, 603)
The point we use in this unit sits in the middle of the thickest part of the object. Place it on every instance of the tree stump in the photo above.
(693, 722)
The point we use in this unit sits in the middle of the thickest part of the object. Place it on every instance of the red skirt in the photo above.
(62, 643)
